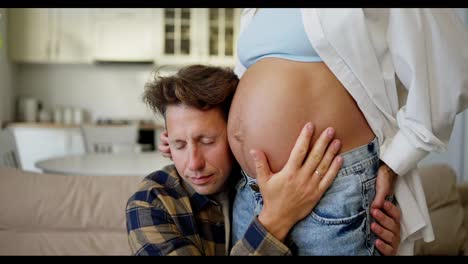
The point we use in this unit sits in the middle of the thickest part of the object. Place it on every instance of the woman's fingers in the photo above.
(163, 145)
(301, 148)
(383, 233)
(387, 228)
(393, 211)
(384, 248)
(386, 178)
(165, 151)
(330, 154)
(386, 221)
(330, 174)
(163, 138)
(163, 134)
(318, 149)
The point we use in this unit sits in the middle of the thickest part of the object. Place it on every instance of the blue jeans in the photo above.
(339, 224)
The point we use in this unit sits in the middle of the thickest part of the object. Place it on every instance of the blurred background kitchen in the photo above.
(61, 69)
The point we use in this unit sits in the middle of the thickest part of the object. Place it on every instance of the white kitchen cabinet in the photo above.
(166, 36)
(29, 34)
(72, 42)
(222, 33)
(38, 143)
(124, 34)
(196, 35)
(179, 36)
(50, 35)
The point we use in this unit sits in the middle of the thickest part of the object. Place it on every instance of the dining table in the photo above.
(105, 164)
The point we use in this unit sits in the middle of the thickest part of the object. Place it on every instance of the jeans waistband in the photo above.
(359, 158)
(354, 160)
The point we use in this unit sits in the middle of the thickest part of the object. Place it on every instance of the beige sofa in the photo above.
(448, 209)
(44, 214)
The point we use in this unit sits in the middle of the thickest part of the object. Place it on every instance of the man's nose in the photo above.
(196, 160)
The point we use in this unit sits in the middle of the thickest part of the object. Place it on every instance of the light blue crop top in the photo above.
(275, 32)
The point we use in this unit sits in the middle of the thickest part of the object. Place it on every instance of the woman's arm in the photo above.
(430, 55)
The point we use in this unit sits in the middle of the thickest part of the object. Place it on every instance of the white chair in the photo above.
(36, 143)
(110, 138)
(8, 150)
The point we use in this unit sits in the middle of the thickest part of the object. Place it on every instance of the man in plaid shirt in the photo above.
(184, 209)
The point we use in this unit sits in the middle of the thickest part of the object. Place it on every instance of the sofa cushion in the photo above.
(446, 212)
(35, 201)
(463, 191)
(77, 242)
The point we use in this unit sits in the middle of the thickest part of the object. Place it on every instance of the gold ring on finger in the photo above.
(318, 173)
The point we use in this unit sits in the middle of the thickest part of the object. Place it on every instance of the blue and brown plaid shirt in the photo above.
(167, 217)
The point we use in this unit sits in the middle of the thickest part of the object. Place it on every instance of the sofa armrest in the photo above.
(463, 192)
(36, 201)
(445, 210)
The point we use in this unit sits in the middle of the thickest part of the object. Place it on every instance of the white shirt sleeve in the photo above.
(429, 49)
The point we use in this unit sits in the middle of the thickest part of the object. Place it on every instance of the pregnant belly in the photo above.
(276, 97)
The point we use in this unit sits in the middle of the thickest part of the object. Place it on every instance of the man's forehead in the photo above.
(186, 119)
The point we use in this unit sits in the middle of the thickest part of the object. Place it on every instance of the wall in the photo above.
(6, 73)
(463, 14)
(103, 90)
(457, 153)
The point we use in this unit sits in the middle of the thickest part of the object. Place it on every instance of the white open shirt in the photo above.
(407, 69)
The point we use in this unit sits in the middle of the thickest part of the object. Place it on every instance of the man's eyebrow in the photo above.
(200, 136)
(176, 141)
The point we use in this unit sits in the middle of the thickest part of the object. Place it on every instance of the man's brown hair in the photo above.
(199, 86)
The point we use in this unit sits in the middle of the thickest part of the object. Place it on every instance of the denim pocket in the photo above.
(338, 221)
(342, 202)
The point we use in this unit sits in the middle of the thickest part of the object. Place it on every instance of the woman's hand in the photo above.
(384, 186)
(292, 193)
(163, 146)
(387, 228)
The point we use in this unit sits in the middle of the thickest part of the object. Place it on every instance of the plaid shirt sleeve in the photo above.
(151, 230)
(257, 241)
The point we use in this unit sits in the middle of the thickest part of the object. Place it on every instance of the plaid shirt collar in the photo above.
(198, 201)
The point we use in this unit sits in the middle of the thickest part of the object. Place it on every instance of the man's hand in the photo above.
(164, 145)
(387, 228)
(385, 185)
(292, 193)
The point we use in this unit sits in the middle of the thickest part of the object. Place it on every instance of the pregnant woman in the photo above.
(340, 68)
